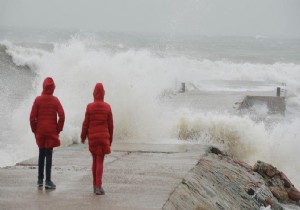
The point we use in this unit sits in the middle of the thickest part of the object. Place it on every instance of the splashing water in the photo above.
(135, 78)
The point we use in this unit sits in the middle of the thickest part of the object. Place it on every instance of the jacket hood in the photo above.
(99, 92)
(48, 86)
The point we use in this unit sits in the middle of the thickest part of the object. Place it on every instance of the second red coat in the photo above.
(98, 123)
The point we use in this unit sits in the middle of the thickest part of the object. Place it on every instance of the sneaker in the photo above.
(40, 183)
(50, 185)
(99, 191)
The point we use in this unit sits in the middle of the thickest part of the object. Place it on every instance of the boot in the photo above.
(50, 185)
(40, 183)
(99, 191)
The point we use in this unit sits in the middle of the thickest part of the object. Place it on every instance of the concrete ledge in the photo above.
(275, 105)
(153, 148)
(122, 147)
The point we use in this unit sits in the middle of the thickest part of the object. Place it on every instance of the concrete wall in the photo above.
(275, 105)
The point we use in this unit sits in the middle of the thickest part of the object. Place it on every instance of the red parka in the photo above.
(43, 117)
(98, 123)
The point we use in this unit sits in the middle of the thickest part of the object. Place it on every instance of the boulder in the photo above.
(280, 186)
(294, 194)
(265, 169)
(220, 181)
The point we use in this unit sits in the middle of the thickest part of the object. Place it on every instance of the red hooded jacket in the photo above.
(43, 117)
(98, 122)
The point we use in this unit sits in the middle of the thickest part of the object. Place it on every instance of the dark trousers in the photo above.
(45, 153)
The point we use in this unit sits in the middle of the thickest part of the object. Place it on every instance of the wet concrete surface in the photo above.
(135, 177)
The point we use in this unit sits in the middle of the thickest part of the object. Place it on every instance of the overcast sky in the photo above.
(278, 18)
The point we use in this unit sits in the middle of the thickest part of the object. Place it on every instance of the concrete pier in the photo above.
(136, 176)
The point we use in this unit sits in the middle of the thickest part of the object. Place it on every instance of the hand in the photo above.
(82, 141)
(58, 131)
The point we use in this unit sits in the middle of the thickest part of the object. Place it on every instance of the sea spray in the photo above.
(135, 78)
(240, 135)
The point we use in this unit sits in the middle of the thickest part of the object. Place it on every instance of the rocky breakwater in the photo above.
(278, 183)
(219, 182)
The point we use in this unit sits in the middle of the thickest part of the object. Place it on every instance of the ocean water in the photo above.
(142, 75)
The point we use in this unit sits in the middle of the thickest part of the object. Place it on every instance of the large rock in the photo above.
(221, 182)
(293, 194)
(279, 184)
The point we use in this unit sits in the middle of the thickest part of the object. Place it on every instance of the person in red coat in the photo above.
(46, 128)
(98, 127)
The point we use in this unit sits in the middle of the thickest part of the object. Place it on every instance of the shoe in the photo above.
(50, 185)
(99, 191)
(102, 191)
(95, 189)
(40, 183)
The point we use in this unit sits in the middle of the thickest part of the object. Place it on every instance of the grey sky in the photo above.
(280, 18)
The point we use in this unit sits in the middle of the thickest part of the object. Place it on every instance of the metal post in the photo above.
(278, 92)
(182, 87)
